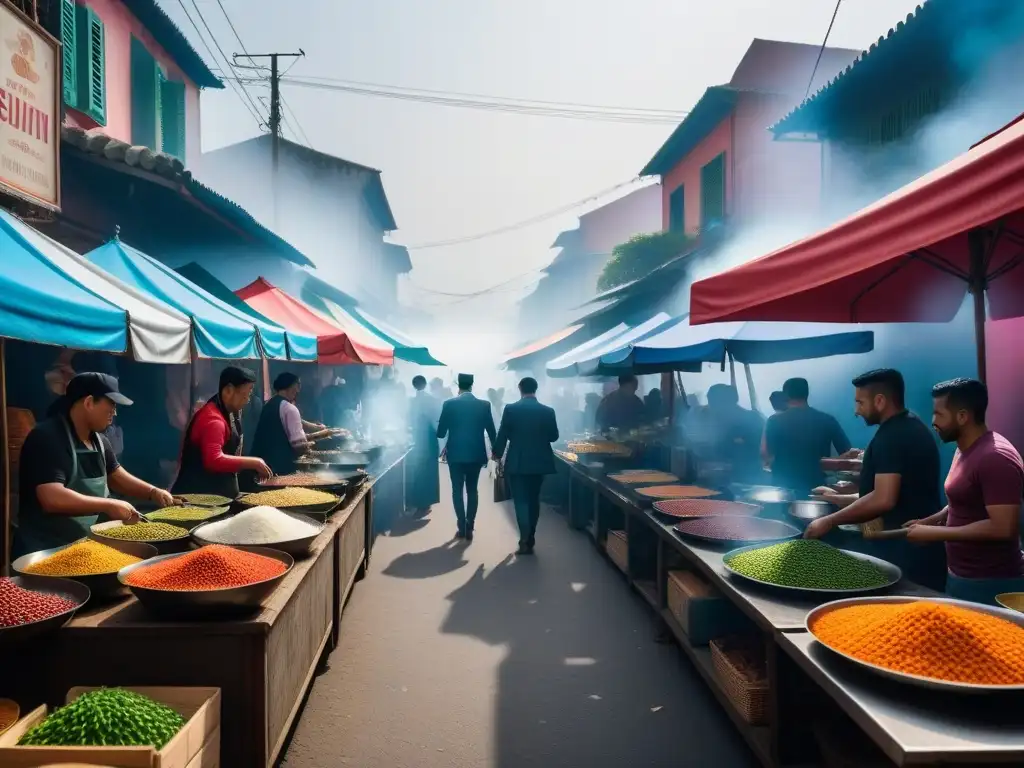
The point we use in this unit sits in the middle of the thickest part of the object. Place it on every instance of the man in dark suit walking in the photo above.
(528, 428)
(464, 420)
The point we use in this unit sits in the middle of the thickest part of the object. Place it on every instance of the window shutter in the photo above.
(172, 118)
(677, 210)
(712, 192)
(146, 77)
(69, 52)
(91, 63)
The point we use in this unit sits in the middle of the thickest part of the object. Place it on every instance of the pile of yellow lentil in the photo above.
(143, 532)
(290, 497)
(84, 558)
(183, 514)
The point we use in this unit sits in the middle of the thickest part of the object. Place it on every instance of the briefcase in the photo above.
(502, 492)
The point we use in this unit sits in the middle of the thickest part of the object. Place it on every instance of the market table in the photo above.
(264, 664)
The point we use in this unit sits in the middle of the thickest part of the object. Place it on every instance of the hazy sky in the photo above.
(454, 172)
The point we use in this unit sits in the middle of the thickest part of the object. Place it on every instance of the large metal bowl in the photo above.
(782, 532)
(312, 509)
(209, 603)
(101, 585)
(218, 513)
(11, 637)
(162, 546)
(222, 501)
(294, 547)
(808, 510)
(903, 677)
(893, 574)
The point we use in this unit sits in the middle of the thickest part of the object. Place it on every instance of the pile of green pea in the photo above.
(809, 564)
(144, 532)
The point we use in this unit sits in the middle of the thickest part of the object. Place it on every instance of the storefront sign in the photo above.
(29, 110)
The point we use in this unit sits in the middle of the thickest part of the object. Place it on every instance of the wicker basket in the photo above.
(617, 547)
(682, 588)
(741, 669)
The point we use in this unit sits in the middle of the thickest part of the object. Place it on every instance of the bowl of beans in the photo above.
(305, 500)
(212, 581)
(31, 606)
(166, 538)
(92, 563)
(186, 516)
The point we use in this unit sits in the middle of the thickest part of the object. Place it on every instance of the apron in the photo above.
(192, 475)
(45, 531)
(982, 591)
(270, 442)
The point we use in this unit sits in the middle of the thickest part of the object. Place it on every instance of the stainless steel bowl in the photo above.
(313, 510)
(162, 546)
(809, 509)
(101, 585)
(218, 514)
(892, 572)
(11, 637)
(903, 677)
(179, 604)
(294, 547)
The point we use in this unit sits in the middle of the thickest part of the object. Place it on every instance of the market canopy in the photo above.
(52, 295)
(576, 362)
(526, 355)
(910, 257)
(334, 346)
(220, 331)
(301, 348)
(677, 345)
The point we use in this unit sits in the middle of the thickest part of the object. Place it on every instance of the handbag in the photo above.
(502, 491)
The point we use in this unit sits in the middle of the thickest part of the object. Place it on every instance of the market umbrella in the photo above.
(909, 257)
(583, 360)
(552, 344)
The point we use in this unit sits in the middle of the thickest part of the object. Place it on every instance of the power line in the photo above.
(524, 223)
(229, 80)
(290, 111)
(822, 49)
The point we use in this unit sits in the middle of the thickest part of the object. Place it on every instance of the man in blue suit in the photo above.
(528, 428)
(464, 420)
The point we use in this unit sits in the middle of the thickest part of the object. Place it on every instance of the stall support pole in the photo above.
(5, 473)
(976, 242)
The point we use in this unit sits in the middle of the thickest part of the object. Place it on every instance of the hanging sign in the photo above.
(29, 110)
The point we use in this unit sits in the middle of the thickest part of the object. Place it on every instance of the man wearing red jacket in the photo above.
(211, 455)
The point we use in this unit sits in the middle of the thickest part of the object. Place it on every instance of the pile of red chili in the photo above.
(23, 606)
(211, 567)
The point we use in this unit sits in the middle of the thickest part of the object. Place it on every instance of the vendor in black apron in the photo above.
(211, 454)
(899, 482)
(68, 469)
(281, 434)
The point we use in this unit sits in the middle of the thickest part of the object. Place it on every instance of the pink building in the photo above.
(130, 73)
(721, 162)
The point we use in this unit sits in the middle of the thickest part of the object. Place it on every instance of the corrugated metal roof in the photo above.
(170, 38)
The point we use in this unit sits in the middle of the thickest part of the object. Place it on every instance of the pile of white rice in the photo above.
(260, 525)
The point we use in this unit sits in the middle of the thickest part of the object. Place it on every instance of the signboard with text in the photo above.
(29, 110)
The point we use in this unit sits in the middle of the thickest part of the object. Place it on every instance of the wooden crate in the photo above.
(741, 669)
(196, 745)
(617, 547)
(702, 611)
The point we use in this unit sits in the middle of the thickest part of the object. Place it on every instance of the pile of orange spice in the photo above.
(211, 567)
(936, 640)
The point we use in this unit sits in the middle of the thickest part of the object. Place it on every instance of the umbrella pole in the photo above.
(976, 242)
(750, 387)
(979, 331)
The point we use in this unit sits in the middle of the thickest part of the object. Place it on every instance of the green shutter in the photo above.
(712, 192)
(146, 76)
(69, 52)
(91, 63)
(677, 210)
(172, 118)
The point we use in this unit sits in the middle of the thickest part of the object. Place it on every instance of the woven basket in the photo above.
(617, 547)
(742, 671)
(682, 587)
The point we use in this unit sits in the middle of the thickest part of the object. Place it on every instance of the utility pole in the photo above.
(275, 115)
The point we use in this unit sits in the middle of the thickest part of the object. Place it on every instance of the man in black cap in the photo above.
(464, 420)
(68, 469)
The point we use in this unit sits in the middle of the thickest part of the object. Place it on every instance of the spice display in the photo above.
(605, 447)
(643, 476)
(183, 514)
(84, 558)
(107, 717)
(807, 563)
(211, 567)
(205, 499)
(260, 525)
(928, 639)
(571, 457)
(143, 532)
(704, 508)
(736, 528)
(290, 497)
(302, 480)
(23, 606)
(676, 492)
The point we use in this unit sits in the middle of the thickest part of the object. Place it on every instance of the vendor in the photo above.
(899, 481)
(68, 469)
(621, 409)
(281, 434)
(211, 452)
(980, 524)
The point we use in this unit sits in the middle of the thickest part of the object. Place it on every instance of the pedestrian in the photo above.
(422, 489)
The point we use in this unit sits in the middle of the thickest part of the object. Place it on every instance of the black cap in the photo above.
(465, 381)
(95, 384)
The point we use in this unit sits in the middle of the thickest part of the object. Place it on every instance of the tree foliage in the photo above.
(641, 255)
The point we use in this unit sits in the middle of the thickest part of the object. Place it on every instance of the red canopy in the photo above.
(910, 257)
(334, 347)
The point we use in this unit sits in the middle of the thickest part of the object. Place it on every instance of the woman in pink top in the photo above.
(980, 524)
